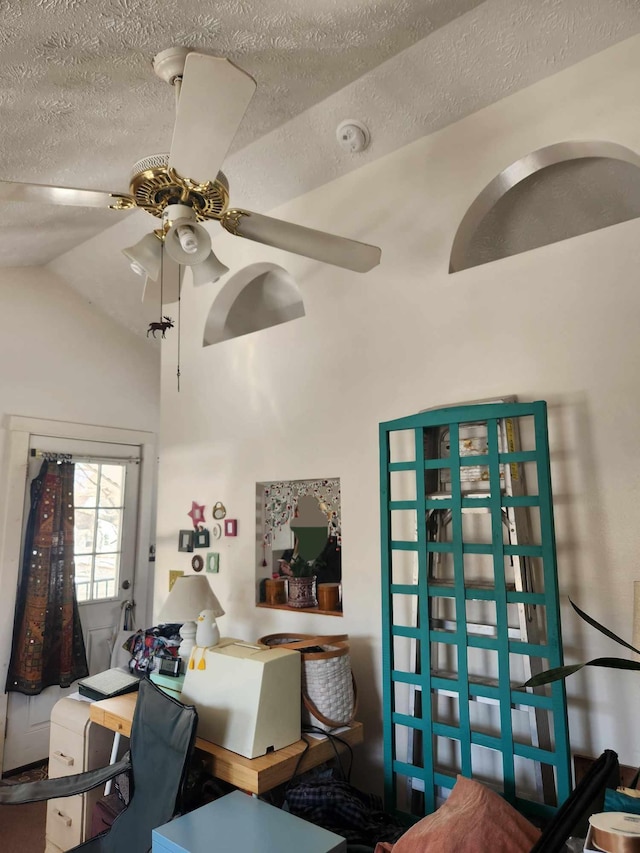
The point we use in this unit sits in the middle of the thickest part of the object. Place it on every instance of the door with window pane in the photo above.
(99, 489)
(106, 510)
(106, 513)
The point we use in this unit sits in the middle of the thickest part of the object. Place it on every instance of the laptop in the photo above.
(111, 682)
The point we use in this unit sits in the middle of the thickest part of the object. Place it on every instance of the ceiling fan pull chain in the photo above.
(161, 281)
(180, 275)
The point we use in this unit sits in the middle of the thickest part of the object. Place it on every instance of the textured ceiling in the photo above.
(79, 102)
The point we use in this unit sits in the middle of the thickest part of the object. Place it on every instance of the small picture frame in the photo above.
(218, 510)
(185, 540)
(213, 562)
(201, 538)
(230, 527)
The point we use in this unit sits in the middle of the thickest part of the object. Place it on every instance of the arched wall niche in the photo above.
(551, 194)
(257, 297)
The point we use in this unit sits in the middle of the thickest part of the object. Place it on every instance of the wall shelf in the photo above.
(299, 609)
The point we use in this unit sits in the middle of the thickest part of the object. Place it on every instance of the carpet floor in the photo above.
(22, 828)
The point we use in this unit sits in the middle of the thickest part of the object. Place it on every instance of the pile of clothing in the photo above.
(338, 806)
(145, 646)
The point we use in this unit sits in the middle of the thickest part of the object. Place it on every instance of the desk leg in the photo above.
(112, 760)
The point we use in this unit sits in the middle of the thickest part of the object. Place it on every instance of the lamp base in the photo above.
(188, 634)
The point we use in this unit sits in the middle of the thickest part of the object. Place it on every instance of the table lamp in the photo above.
(189, 595)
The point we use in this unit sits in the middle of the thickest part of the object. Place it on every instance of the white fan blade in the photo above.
(328, 248)
(169, 292)
(214, 96)
(14, 191)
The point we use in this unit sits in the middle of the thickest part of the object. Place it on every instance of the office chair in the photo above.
(572, 818)
(163, 733)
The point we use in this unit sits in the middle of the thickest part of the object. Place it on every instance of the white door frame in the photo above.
(18, 431)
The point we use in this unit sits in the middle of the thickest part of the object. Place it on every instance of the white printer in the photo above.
(247, 695)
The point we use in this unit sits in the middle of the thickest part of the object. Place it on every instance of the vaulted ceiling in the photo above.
(80, 104)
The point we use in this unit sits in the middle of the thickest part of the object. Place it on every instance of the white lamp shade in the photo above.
(189, 595)
(146, 254)
(209, 271)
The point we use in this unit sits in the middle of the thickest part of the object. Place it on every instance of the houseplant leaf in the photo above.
(560, 672)
(301, 568)
(591, 621)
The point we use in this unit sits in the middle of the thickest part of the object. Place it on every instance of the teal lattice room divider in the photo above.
(470, 608)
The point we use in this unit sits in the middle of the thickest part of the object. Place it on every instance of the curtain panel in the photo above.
(48, 646)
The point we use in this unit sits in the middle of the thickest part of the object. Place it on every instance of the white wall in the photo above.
(305, 399)
(62, 360)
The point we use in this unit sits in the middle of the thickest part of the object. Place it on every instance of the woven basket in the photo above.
(329, 693)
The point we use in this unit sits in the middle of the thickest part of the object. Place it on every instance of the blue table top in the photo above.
(239, 823)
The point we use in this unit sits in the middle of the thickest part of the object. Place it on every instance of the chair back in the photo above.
(163, 734)
(587, 797)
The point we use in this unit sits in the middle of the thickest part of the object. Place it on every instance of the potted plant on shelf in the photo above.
(302, 583)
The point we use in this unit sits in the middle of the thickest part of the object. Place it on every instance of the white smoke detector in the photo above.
(353, 136)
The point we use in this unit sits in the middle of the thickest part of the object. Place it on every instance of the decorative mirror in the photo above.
(298, 535)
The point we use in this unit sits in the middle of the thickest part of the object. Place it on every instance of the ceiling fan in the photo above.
(185, 186)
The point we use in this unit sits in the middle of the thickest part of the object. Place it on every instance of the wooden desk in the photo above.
(256, 775)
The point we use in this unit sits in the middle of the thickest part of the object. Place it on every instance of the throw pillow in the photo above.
(474, 819)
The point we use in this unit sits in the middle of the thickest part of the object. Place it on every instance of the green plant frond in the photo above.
(595, 624)
(549, 675)
(301, 568)
(560, 672)
(615, 663)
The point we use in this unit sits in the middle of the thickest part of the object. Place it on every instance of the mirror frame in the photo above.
(275, 505)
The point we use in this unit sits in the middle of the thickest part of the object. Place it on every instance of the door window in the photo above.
(99, 491)
(105, 498)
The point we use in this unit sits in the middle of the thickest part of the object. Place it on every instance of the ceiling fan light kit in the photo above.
(185, 241)
(186, 186)
(209, 271)
(146, 256)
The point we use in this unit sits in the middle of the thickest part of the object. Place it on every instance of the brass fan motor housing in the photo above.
(154, 185)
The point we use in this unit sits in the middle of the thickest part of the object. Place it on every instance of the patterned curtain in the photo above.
(48, 647)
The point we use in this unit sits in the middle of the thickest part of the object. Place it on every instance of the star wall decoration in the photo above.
(196, 514)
